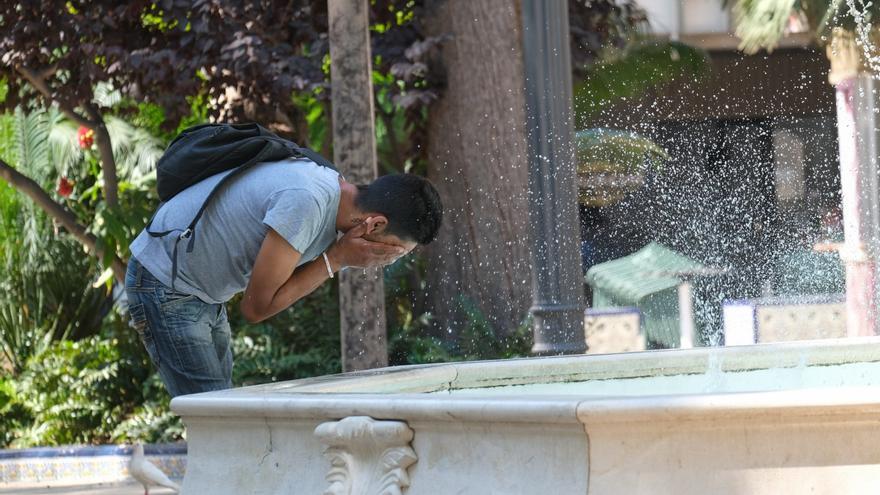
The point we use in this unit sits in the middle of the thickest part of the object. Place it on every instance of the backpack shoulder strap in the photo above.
(189, 231)
(260, 156)
(315, 157)
(271, 148)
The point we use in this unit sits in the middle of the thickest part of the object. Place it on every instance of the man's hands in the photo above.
(276, 282)
(355, 251)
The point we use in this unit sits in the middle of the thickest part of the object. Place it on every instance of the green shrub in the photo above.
(299, 342)
(479, 340)
(410, 338)
(75, 392)
(46, 291)
(409, 326)
(152, 421)
(409, 341)
(14, 417)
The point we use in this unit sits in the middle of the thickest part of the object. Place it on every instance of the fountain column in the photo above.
(857, 106)
(557, 280)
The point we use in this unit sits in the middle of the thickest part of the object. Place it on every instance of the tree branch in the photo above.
(59, 212)
(38, 81)
(108, 161)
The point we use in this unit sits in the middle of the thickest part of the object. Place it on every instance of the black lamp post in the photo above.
(557, 286)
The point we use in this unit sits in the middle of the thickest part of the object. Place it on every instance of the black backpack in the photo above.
(205, 150)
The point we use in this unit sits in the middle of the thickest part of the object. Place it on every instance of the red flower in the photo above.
(86, 137)
(65, 187)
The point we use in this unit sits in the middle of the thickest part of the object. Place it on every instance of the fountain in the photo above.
(759, 419)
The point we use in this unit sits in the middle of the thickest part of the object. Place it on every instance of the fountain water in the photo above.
(864, 28)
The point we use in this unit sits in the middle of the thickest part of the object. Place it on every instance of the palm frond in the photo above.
(66, 153)
(7, 137)
(32, 156)
(761, 23)
(47, 146)
(106, 95)
(32, 137)
(136, 150)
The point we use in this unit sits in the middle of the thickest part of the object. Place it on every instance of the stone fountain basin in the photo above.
(760, 419)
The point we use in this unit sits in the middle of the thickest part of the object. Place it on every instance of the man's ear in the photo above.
(376, 224)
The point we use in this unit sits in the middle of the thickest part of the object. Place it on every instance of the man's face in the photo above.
(376, 225)
(393, 240)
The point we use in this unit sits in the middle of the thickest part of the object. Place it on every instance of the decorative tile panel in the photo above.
(83, 464)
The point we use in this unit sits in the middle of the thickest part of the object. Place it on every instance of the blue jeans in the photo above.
(188, 340)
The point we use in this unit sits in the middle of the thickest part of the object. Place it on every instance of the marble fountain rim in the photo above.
(369, 393)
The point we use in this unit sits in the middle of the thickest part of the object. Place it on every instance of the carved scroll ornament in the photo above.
(367, 457)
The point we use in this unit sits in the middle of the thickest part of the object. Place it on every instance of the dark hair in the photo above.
(410, 203)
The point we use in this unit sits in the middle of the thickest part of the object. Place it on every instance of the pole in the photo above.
(361, 292)
(557, 280)
(856, 97)
(685, 315)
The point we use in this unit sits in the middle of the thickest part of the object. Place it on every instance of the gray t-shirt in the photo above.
(295, 197)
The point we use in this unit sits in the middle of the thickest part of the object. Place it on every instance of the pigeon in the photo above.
(146, 473)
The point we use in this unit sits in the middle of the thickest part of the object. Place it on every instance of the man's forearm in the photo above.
(304, 280)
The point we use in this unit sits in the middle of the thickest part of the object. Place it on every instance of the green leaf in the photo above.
(761, 24)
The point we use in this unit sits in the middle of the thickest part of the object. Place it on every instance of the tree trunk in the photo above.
(108, 161)
(478, 160)
(361, 292)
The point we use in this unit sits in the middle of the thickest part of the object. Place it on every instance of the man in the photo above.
(272, 233)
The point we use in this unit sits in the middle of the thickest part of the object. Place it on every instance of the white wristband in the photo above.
(327, 263)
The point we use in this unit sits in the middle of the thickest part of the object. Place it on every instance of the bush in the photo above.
(300, 342)
(75, 392)
(409, 326)
(479, 340)
(46, 291)
(410, 338)
(14, 417)
(95, 390)
(152, 421)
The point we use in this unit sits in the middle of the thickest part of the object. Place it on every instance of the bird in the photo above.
(146, 473)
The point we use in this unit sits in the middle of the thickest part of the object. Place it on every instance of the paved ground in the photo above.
(101, 489)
